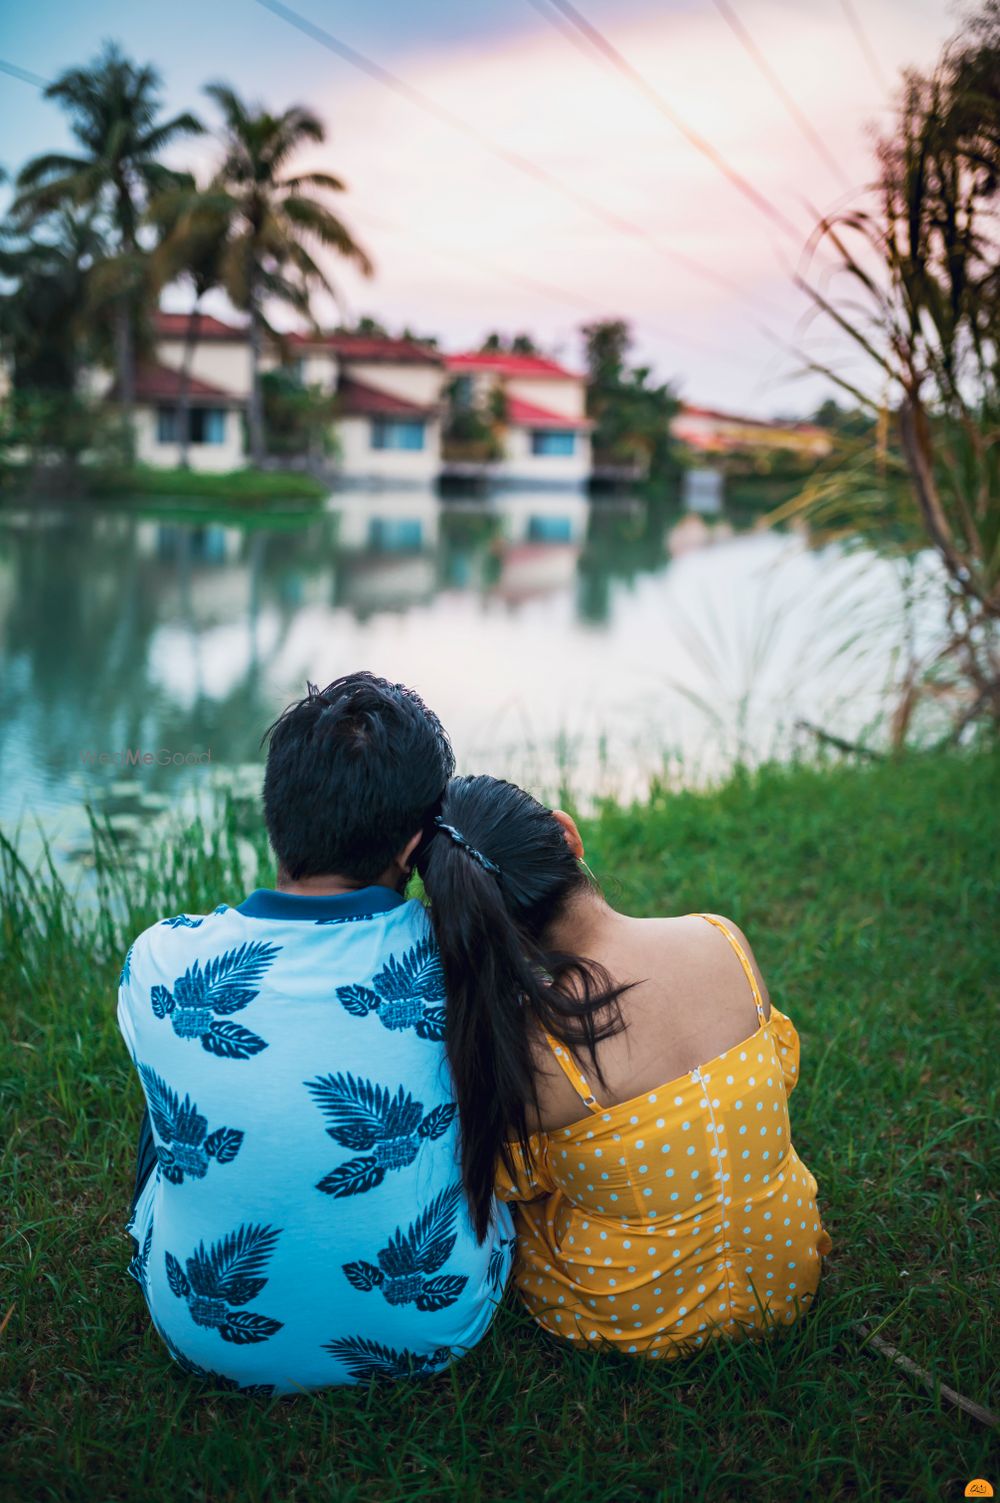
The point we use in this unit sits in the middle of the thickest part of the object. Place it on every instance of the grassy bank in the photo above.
(869, 896)
(239, 487)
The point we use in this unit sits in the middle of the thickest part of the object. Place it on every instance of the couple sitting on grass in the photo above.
(349, 1094)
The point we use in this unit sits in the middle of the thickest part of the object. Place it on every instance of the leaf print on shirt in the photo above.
(138, 1267)
(399, 995)
(182, 922)
(217, 1380)
(187, 1144)
(498, 1269)
(367, 1117)
(226, 984)
(126, 970)
(403, 1264)
(371, 1360)
(228, 1274)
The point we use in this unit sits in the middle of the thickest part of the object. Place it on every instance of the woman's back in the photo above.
(675, 1207)
(688, 1000)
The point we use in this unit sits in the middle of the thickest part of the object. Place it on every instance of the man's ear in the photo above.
(406, 855)
(570, 832)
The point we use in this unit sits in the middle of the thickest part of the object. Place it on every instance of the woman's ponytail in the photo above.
(491, 890)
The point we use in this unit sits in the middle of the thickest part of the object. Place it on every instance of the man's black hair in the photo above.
(353, 772)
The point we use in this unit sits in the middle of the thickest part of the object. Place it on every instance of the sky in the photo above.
(618, 215)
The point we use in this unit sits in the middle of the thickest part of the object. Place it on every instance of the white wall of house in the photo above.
(420, 384)
(359, 460)
(566, 396)
(229, 455)
(319, 368)
(315, 367)
(520, 463)
(219, 362)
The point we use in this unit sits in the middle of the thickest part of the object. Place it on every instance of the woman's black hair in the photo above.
(497, 873)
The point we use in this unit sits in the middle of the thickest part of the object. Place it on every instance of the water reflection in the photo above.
(549, 631)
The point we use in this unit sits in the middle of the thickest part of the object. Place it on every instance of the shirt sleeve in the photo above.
(126, 999)
(532, 1179)
(786, 1040)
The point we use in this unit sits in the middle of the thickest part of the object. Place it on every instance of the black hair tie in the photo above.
(470, 850)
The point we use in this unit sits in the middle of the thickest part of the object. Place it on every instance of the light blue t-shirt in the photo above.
(305, 1224)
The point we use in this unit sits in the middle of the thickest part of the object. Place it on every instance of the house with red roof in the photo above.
(538, 408)
(707, 431)
(390, 398)
(218, 388)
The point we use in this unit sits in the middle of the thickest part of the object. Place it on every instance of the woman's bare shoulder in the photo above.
(693, 942)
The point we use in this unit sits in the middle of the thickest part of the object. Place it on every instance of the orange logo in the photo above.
(979, 1488)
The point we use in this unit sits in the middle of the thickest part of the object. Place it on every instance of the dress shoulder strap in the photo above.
(744, 962)
(573, 1073)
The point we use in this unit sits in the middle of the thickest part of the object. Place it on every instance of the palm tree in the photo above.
(114, 108)
(44, 315)
(193, 227)
(272, 221)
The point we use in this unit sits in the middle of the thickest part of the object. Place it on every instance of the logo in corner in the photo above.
(979, 1488)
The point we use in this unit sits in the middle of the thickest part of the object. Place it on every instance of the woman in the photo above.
(627, 1079)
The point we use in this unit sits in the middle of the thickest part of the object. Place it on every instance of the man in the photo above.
(299, 1219)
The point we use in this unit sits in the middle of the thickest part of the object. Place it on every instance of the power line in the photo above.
(24, 75)
(513, 159)
(610, 53)
(547, 290)
(804, 124)
(861, 37)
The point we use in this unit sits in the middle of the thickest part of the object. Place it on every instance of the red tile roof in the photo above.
(160, 383)
(796, 424)
(175, 326)
(367, 347)
(509, 365)
(355, 399)
(527, 415)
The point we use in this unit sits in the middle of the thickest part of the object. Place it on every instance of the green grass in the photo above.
(868, 895)
(239, 486)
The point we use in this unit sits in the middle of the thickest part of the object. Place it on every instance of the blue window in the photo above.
(550, 530)
(462, 391)
(395, 534)
(397, 433)
(207, 425)
(552, 441)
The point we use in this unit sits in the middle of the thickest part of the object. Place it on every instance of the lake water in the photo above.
(560, 639)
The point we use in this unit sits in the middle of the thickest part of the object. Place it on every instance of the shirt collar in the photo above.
(267, 903)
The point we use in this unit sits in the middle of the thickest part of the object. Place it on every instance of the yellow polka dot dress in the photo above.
(678, 1216)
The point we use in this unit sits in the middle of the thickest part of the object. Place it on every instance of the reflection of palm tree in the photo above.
(272, 218)
(113, 107)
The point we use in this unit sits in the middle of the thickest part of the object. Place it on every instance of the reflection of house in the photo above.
(389, 392)
(539, 408)
(390, 522)
(712, 432)
(387, 545)
(543, 534)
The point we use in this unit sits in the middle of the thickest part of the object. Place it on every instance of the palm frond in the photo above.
(163, 1103)
(243, 1254)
